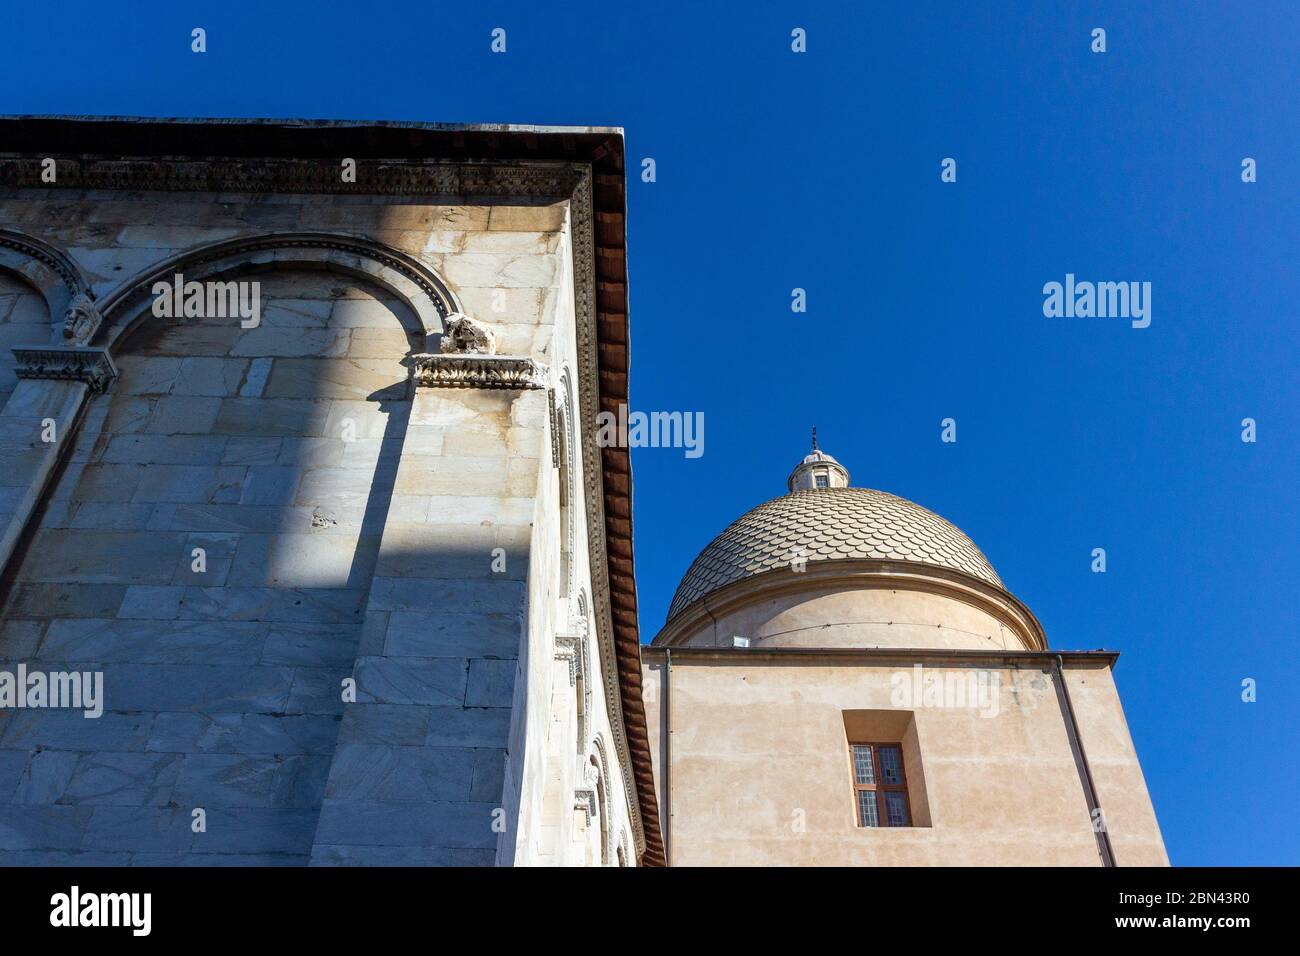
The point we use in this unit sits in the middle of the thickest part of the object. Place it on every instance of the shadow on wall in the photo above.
(210, 548)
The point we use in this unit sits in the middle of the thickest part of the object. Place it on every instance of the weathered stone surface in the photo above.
(297, 458)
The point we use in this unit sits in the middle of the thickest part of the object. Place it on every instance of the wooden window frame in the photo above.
(879, 788)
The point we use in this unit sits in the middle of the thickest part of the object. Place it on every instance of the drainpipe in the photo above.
(1104, 849)
(668, 756)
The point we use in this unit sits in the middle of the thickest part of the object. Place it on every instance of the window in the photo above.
(880, 786)
(823, 481)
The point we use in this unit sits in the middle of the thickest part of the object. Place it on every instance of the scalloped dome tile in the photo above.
(831, 524)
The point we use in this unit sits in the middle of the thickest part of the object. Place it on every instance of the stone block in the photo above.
(190, 484)
(49, 827)
(71, 730)
(104, 557)
(448, 634)
(335, 855)
(271, 417)
(68, 599)
(443, 824)
(258, 830)
(184, 415)
(134, 779)
(446, 594)
(365, 771)
(491, 683)
(468, 727)
(434, 682)
(396, 724)
(164, 641)
(210, 376)
(489, 775)
(46, 777)
(140, 829)
(550, 217)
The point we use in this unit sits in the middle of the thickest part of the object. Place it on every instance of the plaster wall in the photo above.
(760, 771)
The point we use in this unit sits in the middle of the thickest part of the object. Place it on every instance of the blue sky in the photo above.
(821, 171)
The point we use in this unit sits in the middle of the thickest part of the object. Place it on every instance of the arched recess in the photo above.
(402, 275)
(250, 610)
(584, 680)
(598, 762)
(48, 270)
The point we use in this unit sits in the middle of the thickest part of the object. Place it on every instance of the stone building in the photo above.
(297, 457)
(844, 680)
(309, 553)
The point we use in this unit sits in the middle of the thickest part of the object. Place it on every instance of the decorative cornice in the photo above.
(472, 370)
(72, 363)
(388, 177)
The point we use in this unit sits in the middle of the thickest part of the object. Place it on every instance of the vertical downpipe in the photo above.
(668, 755)
(1104, 848)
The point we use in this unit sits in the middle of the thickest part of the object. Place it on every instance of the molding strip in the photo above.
(388, 177)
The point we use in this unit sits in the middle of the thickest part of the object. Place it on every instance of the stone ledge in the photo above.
(73, 363)
(474, 370)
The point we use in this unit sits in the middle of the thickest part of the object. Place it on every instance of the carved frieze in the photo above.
(474, 370)
(72, 363)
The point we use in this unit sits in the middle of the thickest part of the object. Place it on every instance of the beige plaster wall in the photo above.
(858, 615)
(760, 767)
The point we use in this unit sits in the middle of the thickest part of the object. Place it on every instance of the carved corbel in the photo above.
(68, 363)
(82, 320)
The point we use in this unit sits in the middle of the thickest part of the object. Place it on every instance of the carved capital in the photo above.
(585, 800)
(570, 648)
(471, 370)
(67, 362)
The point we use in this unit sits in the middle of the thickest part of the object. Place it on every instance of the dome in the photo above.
(823, 524)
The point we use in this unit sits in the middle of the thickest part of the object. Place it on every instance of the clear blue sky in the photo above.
(821, 171)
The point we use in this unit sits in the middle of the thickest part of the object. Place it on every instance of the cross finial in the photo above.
(814, 438)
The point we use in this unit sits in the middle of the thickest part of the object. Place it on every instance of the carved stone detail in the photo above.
(471, 370)
(555, 433)
(572, 649)
(465, 336)
(82, 319)
(374, 176)
(73, 363)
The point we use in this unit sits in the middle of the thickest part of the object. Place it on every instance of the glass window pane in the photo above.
(891, 765)
(864, 771)
(867, 815)
(896, 809)
(823, 481)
